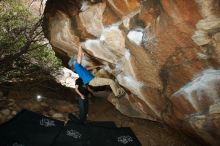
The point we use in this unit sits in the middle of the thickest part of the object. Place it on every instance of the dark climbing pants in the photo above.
(83, 109)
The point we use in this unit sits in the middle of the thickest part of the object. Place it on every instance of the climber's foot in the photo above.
(121, 94)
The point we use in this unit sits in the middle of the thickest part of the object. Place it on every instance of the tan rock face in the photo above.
(164, 53)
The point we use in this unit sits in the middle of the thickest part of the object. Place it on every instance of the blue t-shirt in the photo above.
(83, 73)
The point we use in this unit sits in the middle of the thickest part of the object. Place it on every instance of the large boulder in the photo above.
(164, 53)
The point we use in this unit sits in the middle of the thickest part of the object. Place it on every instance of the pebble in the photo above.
(44, 104)
(10, 108)
(9, 117)
(11, 100)
(51, 112)
(5, 112)
(13, 113)
(11, 104)
(57, 115)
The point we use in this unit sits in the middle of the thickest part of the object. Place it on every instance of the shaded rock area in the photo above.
(46, 97)
(154, 48)
(53, 104)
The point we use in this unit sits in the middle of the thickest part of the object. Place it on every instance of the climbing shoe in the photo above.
(121, 93)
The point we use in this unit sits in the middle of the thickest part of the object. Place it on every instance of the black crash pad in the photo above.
(29, 129)
(75, 134)
(104, 124)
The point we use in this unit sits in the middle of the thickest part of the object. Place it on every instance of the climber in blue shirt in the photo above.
(89, 79)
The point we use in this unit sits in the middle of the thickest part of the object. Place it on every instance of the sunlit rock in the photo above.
(66, 77)
(109, 47)
(64, 38)
(208, 27)
(84, 5)
(210, 118)
(198, 103)
(123, 7)
(208, 8)
(210, 23)
(201, 37)
(202, 91)
(92, 19)
(99, 50)
(216, 44)
(114, 38)
(136, 36)
(215, 108)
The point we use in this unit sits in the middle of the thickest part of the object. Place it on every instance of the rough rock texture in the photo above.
(165, 53)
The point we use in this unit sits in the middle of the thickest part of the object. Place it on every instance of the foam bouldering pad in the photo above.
(107, 124)
(28, 128)
(104, 124)
(75, 134)
(123, 136)
(112, 136)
